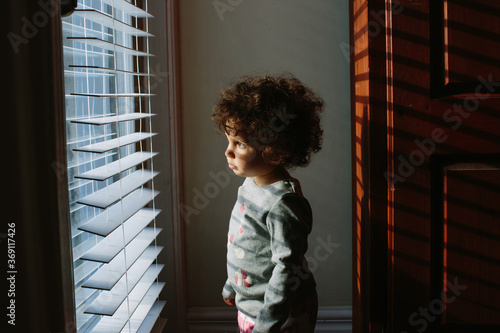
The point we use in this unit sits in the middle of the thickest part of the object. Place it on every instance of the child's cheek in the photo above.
(249, 155)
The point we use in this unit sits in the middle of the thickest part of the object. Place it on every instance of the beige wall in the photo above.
(261, 36)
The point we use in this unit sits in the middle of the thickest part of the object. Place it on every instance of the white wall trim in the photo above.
(334, 319)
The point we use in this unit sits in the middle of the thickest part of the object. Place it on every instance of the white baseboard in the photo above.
(331, 319)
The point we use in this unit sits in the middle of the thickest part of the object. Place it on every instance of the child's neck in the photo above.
(277, 174)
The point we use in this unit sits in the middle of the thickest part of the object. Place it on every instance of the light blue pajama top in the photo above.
(268, 275)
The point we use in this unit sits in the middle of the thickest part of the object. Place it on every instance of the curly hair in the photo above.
(279, 116)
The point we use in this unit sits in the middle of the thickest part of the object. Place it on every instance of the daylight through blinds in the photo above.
(111, 167)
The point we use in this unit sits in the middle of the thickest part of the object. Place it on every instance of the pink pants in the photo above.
(245, 323)
(302, 318)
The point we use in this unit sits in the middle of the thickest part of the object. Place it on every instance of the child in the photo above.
(272, 125)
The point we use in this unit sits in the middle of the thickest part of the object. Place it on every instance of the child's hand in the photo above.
(229, 302)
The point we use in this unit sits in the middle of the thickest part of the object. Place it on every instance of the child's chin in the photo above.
(239, 173)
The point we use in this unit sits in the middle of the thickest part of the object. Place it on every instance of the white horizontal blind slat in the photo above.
(110, 246)
(107, 145)
(112, 169)
(105, 45)
(137, 283)
(114, 192)
(84, 69)
(113, 119)
(148, 322)
(101, 279)
(129, 8)
(116, 323)
(107, 20)
(122, 263)
(109, 220)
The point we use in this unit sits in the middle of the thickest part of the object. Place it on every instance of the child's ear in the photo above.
(267, 156)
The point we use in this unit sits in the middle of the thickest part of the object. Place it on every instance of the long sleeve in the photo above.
(289, 223)
(228, 291)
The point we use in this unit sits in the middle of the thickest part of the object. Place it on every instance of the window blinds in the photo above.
(110, 167)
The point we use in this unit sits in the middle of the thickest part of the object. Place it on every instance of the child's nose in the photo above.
(229, 152)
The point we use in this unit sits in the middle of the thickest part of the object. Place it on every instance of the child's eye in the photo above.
(240, 144)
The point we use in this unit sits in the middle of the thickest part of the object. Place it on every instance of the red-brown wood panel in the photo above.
(466, 239)
(472, 243)
(438, 119)
(435, 46)
(472, 38)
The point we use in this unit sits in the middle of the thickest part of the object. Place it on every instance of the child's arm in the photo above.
(228, 293)
(289, 223)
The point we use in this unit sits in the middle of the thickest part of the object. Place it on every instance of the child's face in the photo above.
(244, 159)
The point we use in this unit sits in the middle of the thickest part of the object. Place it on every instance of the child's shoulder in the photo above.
(289, 186)
(275, 200)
